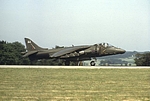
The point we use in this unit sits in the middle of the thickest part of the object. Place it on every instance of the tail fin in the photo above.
(31, 46)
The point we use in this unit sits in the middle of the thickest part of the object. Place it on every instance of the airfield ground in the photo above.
(75, 84)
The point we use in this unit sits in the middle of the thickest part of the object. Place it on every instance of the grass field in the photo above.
(28, 84)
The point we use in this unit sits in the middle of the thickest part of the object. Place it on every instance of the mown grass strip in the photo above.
(74, 84)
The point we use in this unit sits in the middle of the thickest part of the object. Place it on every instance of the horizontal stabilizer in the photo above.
(29, 53)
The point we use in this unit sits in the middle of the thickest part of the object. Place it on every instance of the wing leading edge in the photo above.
(69, 50)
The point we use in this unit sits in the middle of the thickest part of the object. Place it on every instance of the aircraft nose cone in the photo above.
(120, 51)
(114, 50)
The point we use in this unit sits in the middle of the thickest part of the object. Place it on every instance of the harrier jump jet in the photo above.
(73, 53)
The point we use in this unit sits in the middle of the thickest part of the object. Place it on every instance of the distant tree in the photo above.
(10, 53)
(2, 58)
(18, 48)
(142, 59)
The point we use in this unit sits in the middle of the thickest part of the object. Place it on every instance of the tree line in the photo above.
(142, 59)
(10, 54)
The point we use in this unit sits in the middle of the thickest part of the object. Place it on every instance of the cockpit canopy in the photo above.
(106, 45)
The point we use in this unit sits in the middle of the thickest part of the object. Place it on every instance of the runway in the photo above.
(75, 67)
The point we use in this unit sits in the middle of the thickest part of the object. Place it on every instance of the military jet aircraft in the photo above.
(73, 53)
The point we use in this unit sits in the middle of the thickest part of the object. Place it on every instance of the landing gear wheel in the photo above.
(92, 63)
(67, 63)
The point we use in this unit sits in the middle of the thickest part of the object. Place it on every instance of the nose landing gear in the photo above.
(92, 63)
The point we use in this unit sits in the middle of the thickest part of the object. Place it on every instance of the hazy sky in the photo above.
(122, 23)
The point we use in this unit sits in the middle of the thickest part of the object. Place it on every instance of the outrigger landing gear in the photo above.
(92, 63)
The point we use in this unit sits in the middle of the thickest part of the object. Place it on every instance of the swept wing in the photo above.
(69, 50)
